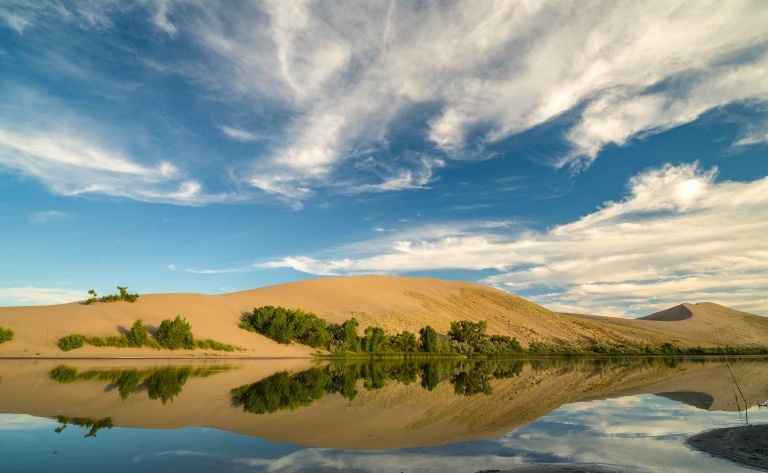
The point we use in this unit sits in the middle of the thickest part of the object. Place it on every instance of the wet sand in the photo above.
(746, 445)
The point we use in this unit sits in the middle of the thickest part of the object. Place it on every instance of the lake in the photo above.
(309, 415)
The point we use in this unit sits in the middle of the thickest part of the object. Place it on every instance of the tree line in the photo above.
(296, 325)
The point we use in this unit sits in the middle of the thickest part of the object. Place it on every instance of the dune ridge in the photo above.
(394, 303)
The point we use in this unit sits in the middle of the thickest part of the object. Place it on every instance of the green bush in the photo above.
(96, 341)
(209, 344)
(137, 336)
(63, 374)
(122, 296)
(465, 331)
(6, 335)
(287, 325)
(175, 334)
(70, 342)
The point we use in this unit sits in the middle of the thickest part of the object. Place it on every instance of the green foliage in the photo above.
(162, 383)
(404, 341)
(70, 342)
(94, 297)
(63, 374)
(429, 340)
(6, 335)
(349, 336)
(287, 325)
(208, 344)
(282, 391)
(84, 422)
(165, 384)
(465, 331)
(175, 334)
(430, 376)
(123, 295)
(137, 336)
(374, 339)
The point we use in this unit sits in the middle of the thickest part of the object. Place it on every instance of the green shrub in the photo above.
(94, 297)
(96, 341)
(63, 374)
(137, 336)
(70, 342)
(286, 325)
(6, 335)
(122, 296)
(209, 344)
(175, 334)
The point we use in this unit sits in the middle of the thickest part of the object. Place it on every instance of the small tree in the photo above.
(374, 339)
(94, 297)
(137, 336)
(351, 339)
(175, 334)
(429, 340)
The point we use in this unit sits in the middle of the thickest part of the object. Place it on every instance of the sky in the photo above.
(593, 156)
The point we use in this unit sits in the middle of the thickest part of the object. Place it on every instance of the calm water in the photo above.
(296, 415)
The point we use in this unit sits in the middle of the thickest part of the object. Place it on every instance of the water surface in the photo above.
(300, 415)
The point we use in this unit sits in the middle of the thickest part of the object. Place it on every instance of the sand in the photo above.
(746, 445)
(395, 303)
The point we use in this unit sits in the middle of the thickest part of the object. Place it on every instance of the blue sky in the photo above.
(592, 156)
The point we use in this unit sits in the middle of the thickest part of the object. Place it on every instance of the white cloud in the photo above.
(28, 295)
(240, 134)
(340, 73)
(678, 236)
(497, 69)
(44, 216)
(71, 166)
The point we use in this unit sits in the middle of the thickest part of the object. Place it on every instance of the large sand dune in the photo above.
(395, 303)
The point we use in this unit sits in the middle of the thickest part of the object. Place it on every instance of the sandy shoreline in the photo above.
(744, 445)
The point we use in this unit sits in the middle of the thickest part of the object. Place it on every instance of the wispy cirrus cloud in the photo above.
(679, 235)
(340, 76)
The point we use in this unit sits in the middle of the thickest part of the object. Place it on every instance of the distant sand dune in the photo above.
(674, 314)
(394, 303)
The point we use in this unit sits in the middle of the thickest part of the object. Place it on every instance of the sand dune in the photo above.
(673, 314)
(395, 303)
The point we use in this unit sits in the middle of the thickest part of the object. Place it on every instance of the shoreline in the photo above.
(743, 445)
(421, 357)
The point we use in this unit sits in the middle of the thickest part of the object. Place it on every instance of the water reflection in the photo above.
(371, 405)
(160, 383)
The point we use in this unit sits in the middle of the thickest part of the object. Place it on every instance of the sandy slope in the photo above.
(396, 416)
(395, 303)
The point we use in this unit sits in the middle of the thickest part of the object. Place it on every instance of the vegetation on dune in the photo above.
(172, 334)
(6, 335)
(92, 425)
(122, 295)
(162, 384)
(465, 338)
(175, 334)
(287, 325)
(70, 342)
